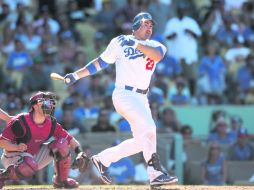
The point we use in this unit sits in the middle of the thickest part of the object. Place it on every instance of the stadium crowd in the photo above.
(210, 61)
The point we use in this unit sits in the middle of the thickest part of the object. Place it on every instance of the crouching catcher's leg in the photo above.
(62, 163)
(25, 169)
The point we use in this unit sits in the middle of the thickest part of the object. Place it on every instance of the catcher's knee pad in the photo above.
(27, 168)
(59, 148)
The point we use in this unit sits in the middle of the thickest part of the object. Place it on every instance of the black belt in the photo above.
(130, 88)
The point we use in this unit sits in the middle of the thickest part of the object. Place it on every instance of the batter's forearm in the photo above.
(151, 52)
(92, 68)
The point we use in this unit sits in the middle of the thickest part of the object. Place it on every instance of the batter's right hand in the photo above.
(22, 147)
(70, 79)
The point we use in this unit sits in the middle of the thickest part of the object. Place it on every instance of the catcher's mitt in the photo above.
(81, 162)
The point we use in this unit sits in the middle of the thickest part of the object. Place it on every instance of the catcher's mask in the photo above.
(47, 99)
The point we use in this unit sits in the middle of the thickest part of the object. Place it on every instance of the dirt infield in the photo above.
(136, 187)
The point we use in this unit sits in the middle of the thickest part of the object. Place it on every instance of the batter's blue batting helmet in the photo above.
(139, 18)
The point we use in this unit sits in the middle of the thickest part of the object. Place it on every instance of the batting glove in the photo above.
(70, 78)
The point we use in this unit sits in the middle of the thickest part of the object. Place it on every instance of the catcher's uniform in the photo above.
(35, 135)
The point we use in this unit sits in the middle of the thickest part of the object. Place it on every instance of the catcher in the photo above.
(26, 146)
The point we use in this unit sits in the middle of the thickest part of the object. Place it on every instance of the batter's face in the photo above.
(145, 30)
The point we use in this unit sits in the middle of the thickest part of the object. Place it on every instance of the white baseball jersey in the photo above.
(133, 68)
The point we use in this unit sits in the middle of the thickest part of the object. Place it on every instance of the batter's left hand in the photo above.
(70, 79)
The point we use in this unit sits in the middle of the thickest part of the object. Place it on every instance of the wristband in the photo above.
(91, 68)
(76, 77)
(78, 149)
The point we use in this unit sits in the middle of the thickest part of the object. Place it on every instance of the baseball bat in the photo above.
(56, 76)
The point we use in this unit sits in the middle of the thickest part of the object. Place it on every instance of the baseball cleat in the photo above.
(164, 180)
(104, 175)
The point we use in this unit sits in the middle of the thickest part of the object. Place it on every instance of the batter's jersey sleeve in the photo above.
(158, 46)
(111, 52)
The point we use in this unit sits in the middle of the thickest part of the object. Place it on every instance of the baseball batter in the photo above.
(135, 57)
(25, 150)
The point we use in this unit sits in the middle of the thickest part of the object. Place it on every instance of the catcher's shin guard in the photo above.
(62, 164)
(25, 169)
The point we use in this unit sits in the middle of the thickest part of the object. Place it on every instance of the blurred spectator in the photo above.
(245, 75)
(141, 176)
(5, 11)
(19, 59)
(160, 17)
(49, 4)
(179, 97)
(45, 20)
(161, 82)
(156, 114)
(12, 108)
(21, 14)
(126, 13)
(212, 72)
(242, 150)
(169, 121)
(122, 171)
(74, 12)
(103, 124)
(156, 94)
(182, 33)
(97, 88)
(36, 78)
(169, 67)
(104, 20)
(236, 124)
(66, 30)
(123, 125)
(216, 114)
(67, 49)
(187, 134)
(248, 33)
(70, 123)
(31, 40)
(221, 134)
(226, 35)
(87, 109)
(214, 18)
(213, 170)
(250, 94)
(236, 55)
(7, 40)
(97, 47)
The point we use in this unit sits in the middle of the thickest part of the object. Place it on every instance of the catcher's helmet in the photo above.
(139, 18)
(48, 100)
